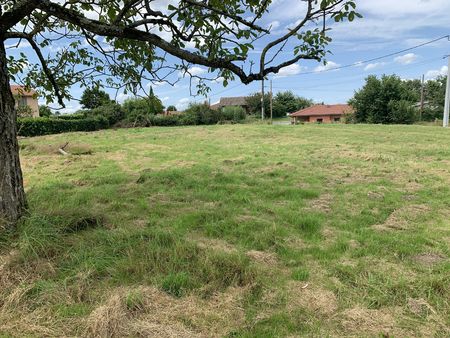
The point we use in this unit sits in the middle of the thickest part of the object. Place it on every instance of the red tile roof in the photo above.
(19, 90)
(324, 110)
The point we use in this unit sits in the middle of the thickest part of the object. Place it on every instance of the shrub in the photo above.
(44, 126)
(201, 113)
(234, 113)
(44, 111)
(24, 111)
(139, 111)
(165, 121)
(113, 112)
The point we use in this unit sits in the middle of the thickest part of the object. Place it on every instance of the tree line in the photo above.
(391, 100)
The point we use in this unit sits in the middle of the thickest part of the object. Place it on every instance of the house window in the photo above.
(319, 120)
(21, 101)
(337, 119)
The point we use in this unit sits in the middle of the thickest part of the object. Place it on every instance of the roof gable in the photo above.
(323, 109)
(233, 101)
(20, 90)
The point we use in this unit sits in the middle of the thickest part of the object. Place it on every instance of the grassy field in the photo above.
(235, 231)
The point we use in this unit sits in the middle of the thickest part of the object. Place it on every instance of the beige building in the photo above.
(26, 98)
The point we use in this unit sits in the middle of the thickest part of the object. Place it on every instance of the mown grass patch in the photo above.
(241, 231)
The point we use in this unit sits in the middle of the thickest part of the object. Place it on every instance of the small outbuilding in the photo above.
(321, 113)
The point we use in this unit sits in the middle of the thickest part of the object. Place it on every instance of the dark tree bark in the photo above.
(12, 194)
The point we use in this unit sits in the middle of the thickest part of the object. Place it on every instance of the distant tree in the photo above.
(172, 108)
(254, 104)
(286, 102)
(384, 101)
(44, 111)
(94, 98)
(139, 110)
(434, 96)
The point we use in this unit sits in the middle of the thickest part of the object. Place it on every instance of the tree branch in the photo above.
(20, 10)
(48, 73)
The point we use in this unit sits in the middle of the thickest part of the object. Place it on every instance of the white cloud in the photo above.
(372, 66)
(194, 71)
(329, 66)
(70, 109)
(218, 80)
(432, 74)
(274, 25)
(406, 59)
(290, 70)
(183, 103)
(121, 97)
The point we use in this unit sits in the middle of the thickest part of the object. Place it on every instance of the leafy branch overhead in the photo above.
(120, 44)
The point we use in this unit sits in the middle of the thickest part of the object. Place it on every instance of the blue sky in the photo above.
(388, 26)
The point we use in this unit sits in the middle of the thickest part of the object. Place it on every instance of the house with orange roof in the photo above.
(25, 98)
(321, 113)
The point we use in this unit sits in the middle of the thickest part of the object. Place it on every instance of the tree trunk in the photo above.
(12, 194)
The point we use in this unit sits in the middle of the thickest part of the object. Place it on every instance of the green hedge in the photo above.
(45, 126)
(78, 116)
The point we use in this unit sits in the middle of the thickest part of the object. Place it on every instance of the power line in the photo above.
(355, 64)
(346, 79)
(359, 63)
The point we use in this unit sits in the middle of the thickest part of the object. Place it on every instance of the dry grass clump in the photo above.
(213, 243)
(160, 315)
(263, 257)
(371, 322)
(321, 204)
(109, 319)
(402, 219)
(428, 259)
(311, 297)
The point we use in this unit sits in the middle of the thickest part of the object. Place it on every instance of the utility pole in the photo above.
(422, 98)
(447, 97)
(271, 102)
(262, 99)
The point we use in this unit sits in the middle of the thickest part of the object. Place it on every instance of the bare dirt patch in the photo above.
(311, 297)
(402, 219)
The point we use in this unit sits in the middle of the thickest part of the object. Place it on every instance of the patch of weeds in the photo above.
(135, 301)
(308, 224)
(300, 274)
(73, 310)
(176, 284)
